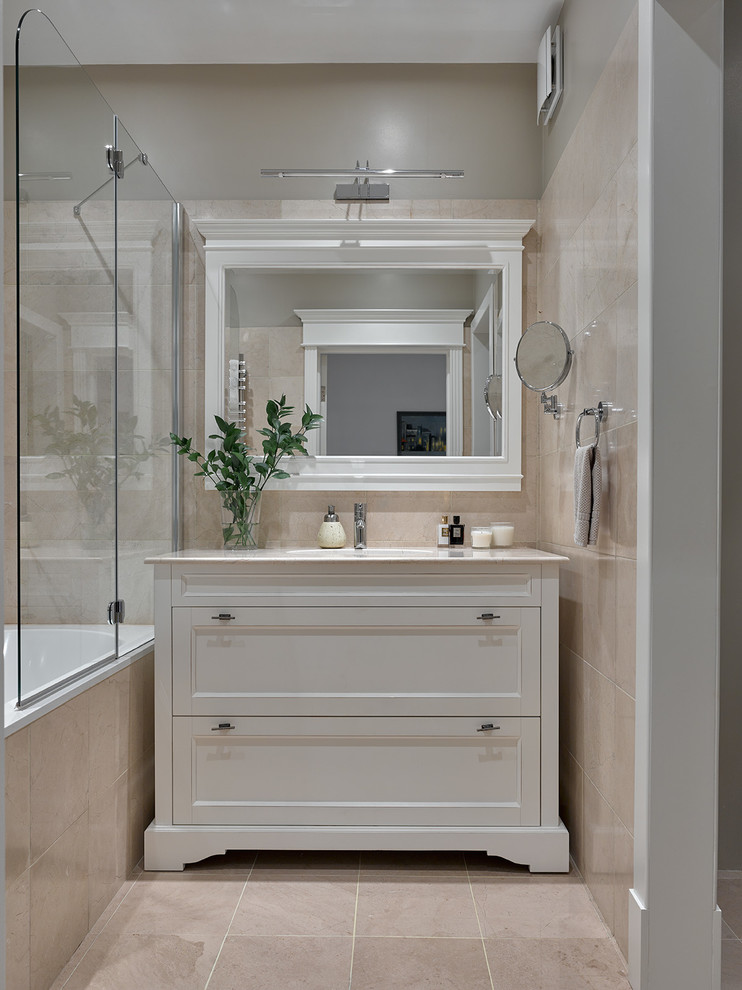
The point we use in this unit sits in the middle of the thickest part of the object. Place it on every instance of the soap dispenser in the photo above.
(331, 534)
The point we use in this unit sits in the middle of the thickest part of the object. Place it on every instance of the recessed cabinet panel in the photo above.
(356, 771)
(366, 583)
(365, 661)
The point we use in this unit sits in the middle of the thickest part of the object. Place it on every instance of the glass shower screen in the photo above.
(94, 369)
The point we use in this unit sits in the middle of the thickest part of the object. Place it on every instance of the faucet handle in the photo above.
(359, 510)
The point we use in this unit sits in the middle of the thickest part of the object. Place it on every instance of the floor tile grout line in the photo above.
(399, 938)
(231, 920)
(355, 921)
(134, 882)
(80, 961)
(479, 925)
(97, 935)
(599, 913)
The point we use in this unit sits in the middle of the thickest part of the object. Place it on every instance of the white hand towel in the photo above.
(588, 492)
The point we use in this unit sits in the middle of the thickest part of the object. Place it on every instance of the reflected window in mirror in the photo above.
(402, 360)
(365, 394)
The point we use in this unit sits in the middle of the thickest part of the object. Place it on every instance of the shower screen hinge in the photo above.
(115, 161)
(116, 612)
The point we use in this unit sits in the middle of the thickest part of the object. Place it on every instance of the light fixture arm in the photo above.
(361, 171)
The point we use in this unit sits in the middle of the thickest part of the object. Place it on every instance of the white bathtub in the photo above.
(54, 657)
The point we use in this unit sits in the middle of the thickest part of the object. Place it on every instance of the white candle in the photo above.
(481, 537)
(502, 534)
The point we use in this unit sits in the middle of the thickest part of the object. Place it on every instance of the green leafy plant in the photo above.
(86, 451)
(241, 476)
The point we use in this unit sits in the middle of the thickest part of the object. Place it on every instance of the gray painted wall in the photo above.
(730, 738)
(591, 29)
(270, 300)
(210, 129)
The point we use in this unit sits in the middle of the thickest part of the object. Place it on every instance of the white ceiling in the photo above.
(275, 31)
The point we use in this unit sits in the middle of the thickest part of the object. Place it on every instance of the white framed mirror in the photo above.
(261, 273)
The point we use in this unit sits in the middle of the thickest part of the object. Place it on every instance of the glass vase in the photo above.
(240, 519)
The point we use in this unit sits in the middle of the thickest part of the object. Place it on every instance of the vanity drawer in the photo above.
(357, 771)
(356, 661)
(362, 583)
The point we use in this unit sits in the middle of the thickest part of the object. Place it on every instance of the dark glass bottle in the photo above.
(456, 532)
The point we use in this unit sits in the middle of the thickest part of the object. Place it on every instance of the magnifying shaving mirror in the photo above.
(493, 396)
(543, 358)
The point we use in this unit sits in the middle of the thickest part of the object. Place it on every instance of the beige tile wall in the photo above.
(278, 353)
(587, 283)
(393, 518)
(79, 792)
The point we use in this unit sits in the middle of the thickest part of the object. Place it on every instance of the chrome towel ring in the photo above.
(599, 414)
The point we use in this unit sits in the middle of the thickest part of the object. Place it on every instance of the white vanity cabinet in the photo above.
(338, 701)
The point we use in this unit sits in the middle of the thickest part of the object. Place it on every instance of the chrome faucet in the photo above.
(359, 525)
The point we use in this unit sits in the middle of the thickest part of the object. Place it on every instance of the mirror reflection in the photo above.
(385, 404)
(543, 356)
(385, 393)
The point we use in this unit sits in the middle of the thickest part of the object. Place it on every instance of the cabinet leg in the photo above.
(542, 850)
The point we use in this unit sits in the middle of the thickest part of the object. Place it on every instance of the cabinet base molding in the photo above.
(542, 849)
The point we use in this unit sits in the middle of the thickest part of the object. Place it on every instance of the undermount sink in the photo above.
(368, 552)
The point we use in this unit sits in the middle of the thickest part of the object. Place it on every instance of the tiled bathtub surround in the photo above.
(588, 284)
(79, 793)
(293, 518)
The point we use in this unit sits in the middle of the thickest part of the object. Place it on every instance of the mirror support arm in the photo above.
(551, 406)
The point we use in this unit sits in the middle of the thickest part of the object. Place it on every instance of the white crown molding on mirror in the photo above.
(452, 245)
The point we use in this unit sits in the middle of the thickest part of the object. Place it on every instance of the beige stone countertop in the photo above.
(387, 555)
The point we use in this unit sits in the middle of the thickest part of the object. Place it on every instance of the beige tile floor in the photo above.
(349, 921)
(729, 898)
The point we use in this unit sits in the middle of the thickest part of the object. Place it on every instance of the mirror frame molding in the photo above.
(367, 244)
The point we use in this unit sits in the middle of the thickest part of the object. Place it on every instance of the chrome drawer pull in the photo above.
(224, 615)
(488, 615)
(486, 726)
(222, 725)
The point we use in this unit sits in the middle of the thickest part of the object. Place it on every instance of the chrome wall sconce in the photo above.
(362, 189)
